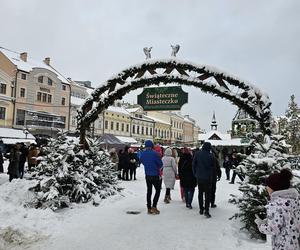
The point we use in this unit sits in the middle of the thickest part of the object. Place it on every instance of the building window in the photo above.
(3, 88)
(137, 129)
(22, 92)
(2, 113)
(127, 127)
(117, 126)
(106, 125)
(63, 87)
(122, 127)
(49, 81)
(133, 129)
(112, 125)
(23, 76)
(40, 79)
(49, 98)
(146, 130)
(44, 97)
(142, 130)
(151, 131)
(63, 101)
(39, 96)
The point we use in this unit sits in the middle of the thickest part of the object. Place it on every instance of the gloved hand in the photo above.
(258, 221)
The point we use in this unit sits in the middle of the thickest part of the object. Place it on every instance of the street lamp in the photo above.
(26, 132)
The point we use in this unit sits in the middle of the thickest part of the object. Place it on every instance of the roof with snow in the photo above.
(120, 110)
(133, 110)
(27, 66)
(126, 139)
(158, 120)
(12, 136)
(214, 134)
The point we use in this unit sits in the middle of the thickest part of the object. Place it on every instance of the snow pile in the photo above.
(68, 174)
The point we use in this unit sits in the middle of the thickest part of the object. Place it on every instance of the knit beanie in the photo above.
(149, 144)
(280, 181)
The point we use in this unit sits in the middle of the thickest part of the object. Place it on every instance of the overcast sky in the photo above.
(91, 40)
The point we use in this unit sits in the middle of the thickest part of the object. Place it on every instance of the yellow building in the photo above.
(42, 95)
(188, 131)
(162, 126)
(7, 75)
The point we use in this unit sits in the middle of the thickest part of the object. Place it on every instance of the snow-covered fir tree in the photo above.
(69, 174)
(268, 156)
(293, 125)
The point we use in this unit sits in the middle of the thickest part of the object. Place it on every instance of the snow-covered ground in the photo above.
(108, 226)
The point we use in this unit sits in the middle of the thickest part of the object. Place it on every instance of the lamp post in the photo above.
(26, 132)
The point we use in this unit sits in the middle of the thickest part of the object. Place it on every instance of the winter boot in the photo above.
(166, 200)
(150, 211)
(155, 210)
(169, 197)
(207, 214)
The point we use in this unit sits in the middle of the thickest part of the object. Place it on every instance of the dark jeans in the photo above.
(213, 192)
(1, 167)
(21, 169)
(188, 195)
(156, 182)
(236, 174)
(125, 174)
(168, 191)
(204, 188)
(133, 173)
(227, 171)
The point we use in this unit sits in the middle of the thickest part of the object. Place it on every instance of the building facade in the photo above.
(41, 94)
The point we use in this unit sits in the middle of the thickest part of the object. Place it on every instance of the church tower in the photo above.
(214, 125)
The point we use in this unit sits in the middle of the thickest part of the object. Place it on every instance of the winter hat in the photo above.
(280, 181)
(206, 146)
(148, 144)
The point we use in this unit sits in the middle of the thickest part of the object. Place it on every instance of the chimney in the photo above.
(47, 61)
(23, 56)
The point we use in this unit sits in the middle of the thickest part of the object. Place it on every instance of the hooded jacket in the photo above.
(203, 164)
(283, 219)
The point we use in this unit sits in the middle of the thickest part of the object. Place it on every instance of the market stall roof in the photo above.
(110, 139)
(126, 140)
(12, 136)
(230, 142)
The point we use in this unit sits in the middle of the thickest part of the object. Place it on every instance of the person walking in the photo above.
(33, 153)
(187, 179)
(152, 165)
(14, 160)
(203, 171)
(124, 161)
(235, 162)
(283, 212)
(23, 157)
(132, 164)
(169, 173)
(217, 173)
(114, 158)
(227, 164)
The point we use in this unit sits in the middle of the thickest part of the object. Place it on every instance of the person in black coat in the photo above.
(186, 176)
(227, 164)
(216, 177)
(132, 163)
(124, 163)
(24, 153)
(203, 168)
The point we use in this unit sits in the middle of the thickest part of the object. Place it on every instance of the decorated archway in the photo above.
(170, 71)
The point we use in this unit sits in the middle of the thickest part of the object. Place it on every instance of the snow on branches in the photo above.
(268, 156)
(68, 174)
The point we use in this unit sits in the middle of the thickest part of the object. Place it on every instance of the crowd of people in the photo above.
(18, 155)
